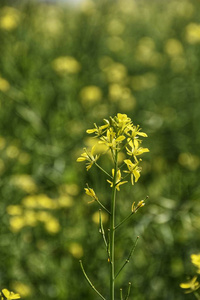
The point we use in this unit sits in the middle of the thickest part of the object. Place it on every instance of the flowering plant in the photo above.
(192, 285)
(119, 135)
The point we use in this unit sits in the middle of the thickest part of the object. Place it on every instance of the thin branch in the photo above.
(103, 170)
(128, 292)
(89, 282)
(128, 258)
(124, 220)
(121, 295)
(133, 211)
(97, 200)
(101, 230)
(103, 206)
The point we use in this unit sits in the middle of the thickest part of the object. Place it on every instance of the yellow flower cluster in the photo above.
(193, 284)
(119, 135)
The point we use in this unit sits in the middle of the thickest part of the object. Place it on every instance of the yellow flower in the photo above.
(173, 47)
(90, 192)
(98, 130)
(135, 130)
(9, 295)
(76, 250)
(4, 85)
(66, 64)
(135, 149)
(195, 258)
(118, 179)
(191, 285)
(133, 169)
(193, 33)
(88, 156)
(90, 94)
(10, 18)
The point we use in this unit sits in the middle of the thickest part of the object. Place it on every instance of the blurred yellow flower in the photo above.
(30, 202)
(189, 161)
(173, 47)
(145, 81)
(14, 210)
(66, 65)
(116, 72)
(76, 250)
(52, 226)
(191, 285)
(90, 94)
(30, 218)
(17, 223)
(104, 217)
(12, 151)
(9, 18)
(65, 201)
(23, 289)
(4, 85)
(70, 188)
(24, 182)
(122, 95)
(43, 216)
(115, 27)
(192, 33)
(45, 202)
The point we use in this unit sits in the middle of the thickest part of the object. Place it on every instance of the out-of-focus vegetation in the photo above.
(61, 70)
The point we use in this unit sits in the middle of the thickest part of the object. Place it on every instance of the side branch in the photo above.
(89, 282)
(128, 258)
(98, 166)
(128, 292)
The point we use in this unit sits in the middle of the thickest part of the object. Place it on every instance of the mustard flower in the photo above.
(136, 130)
(6, 294)
(88, 156)
(135, 148)
(133, 169)
(195, 258)
(118, 179)
(91, 193)
(191, 285)
(98, 130)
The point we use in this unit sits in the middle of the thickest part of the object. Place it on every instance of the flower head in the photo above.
(134, 149)
(88, 156)
(195, 258)
(118, 179)
(191, 285)
(7, 295)
(91, 193)
(133, 169)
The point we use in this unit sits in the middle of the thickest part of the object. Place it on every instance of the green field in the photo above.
(62, 69)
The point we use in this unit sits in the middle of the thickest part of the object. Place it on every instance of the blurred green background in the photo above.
(62, 68)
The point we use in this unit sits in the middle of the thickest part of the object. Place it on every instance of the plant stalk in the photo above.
(112, 231)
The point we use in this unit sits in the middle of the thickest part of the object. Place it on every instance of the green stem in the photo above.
(112, 230)
(124, 220)
(89, 282)
(128, 258)
(96, 164)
